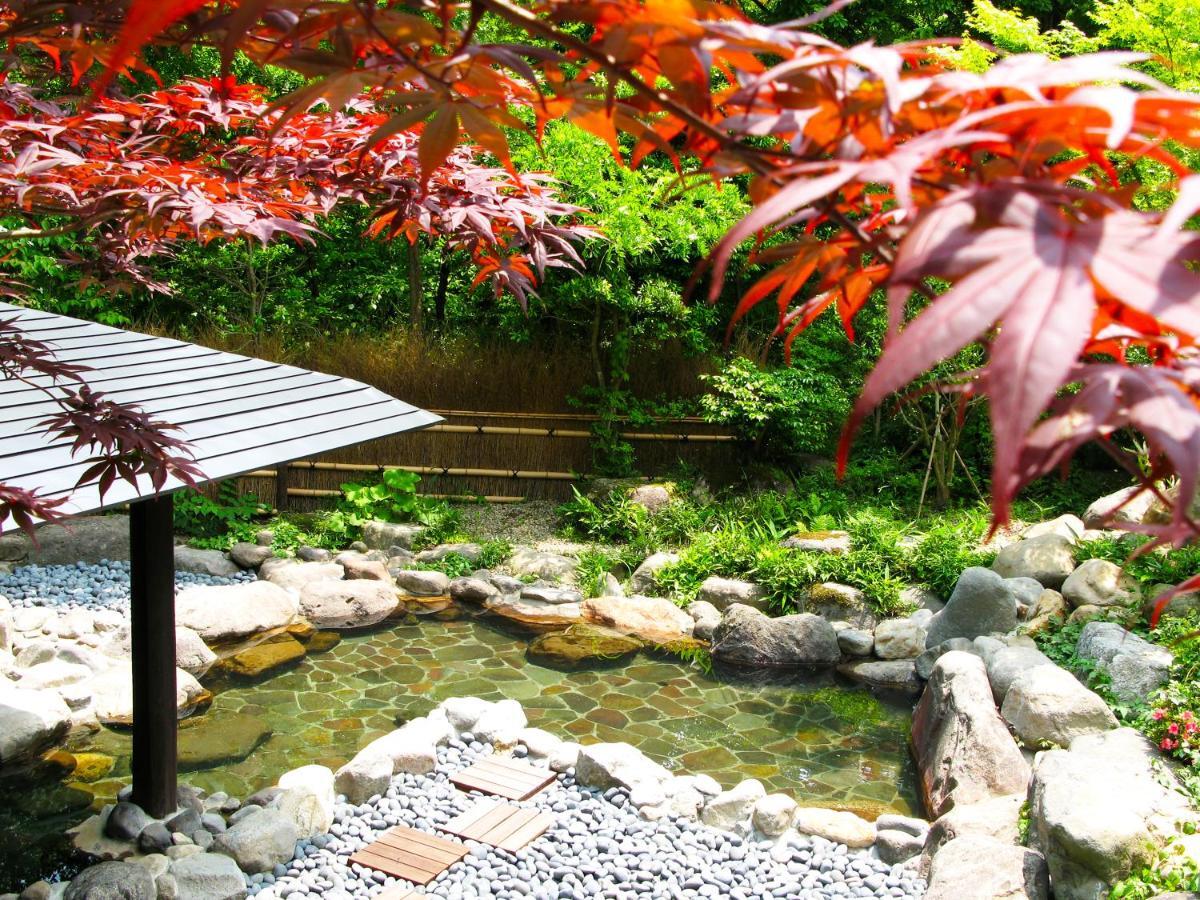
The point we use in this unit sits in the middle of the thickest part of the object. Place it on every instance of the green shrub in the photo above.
(947, 549)
(199, 516)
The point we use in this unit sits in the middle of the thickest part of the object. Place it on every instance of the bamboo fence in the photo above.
(533, 455)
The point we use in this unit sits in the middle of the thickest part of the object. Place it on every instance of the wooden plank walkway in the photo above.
(499, 824)
(410, 854)
(507, 778)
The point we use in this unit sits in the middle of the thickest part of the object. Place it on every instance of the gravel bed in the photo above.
(104, 585)
(598, 848)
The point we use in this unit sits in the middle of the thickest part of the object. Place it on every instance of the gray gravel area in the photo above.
(598, 848)
(104, 585)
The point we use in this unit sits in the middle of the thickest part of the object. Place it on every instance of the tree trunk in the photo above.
(439, 299)
(597, 361)
(416, 299)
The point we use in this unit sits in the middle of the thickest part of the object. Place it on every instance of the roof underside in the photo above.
(237, 413)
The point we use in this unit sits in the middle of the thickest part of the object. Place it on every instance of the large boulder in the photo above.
(706, 618)
(112, 694)
(31, 722)
(385, 535)
(1178, 606)
(1099, 811)
(617, 765)
(1068, 526)
(540, 564)
(981, 603)
(643, 580)
(1126, 506)
(649, 618)
(206, 562)
(1005, 665)
(540, 609)
(112, 881)
(250, 556)
(963, 750)
(412, 747)
(1098, 582)
(899, 639)
(1135, 667)
(86, 539)
(260, 841)
(748, 637)
(344, 605)
(422, 582)
(208, 876)
(731, 810)
(369, 773)
(469, 589)
(293, 574)
(1049, 558)
(978, 867)
(840, 603)
(997, 818)
(308, 798)
(582, 644)
(1047, 705)
(835, 825)
(229, 612)
(191, 653)
(721, 592)
(1048, 613)
(886, 674)
(818, 542)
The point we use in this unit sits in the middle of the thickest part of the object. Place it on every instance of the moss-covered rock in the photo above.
(581, 644)
(208, 741)
(323, 641)
(89, 767)
(274, 653)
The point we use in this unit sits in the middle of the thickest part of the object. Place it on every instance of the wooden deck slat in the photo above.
(512, 824)
(526, 775)
(511, 779)
(409, 854)
(527, 833)
(396, 892)
(502, 825)
(461, 823)
(401, 868)
(485, 823)
(403, 845)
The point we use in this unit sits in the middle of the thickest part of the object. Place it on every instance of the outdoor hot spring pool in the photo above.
(820, 739)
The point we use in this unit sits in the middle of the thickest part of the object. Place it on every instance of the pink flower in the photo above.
(1158, 715)
(1173, 728)
(1168, 744)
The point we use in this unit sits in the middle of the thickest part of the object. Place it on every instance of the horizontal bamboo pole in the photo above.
(570, 433)
(489, 498)
(578, 417)
(441, 470)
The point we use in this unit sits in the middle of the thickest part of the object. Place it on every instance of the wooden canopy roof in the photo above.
(237, 413)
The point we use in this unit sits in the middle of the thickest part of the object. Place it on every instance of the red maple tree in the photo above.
(877, 168)
(211, 160)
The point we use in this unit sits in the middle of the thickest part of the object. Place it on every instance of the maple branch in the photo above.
(752, 159)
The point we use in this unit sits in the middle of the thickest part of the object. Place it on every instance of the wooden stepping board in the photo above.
(410, 854)
(500, 824)
(395, 892)
(507, 778)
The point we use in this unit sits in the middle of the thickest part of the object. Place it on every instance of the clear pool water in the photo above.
(825, 742)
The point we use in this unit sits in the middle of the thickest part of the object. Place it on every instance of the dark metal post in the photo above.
(282, 503)
(152, 639)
